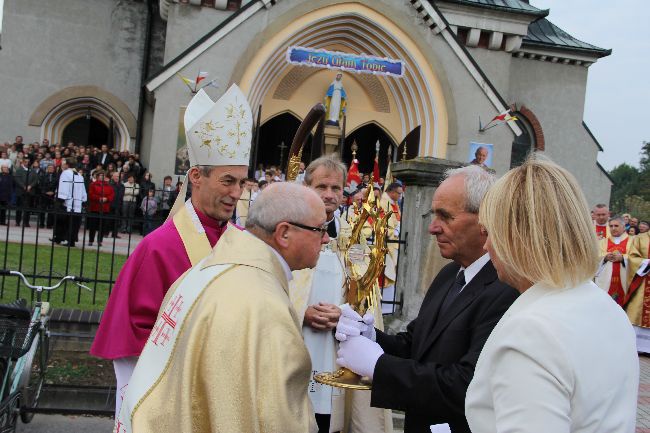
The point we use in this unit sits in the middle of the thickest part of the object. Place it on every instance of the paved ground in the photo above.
(66, 424)
(643, 407)
(30, 235)
(81, 424)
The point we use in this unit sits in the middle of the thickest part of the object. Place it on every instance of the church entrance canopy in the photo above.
(398, 105)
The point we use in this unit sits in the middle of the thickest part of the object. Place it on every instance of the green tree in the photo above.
(645, 157)
(626, 184)
(631, 189)
(644, 179)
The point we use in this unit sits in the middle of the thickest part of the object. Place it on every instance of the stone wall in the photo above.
(555, 93)
(419, 259)
(47, 47)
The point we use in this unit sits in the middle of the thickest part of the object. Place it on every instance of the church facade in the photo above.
(122, 63)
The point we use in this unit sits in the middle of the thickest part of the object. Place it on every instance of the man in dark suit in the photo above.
(425, 371)
(104, 158)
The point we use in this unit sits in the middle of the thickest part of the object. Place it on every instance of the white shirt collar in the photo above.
(285, 265)
(283, 262)
(474, 268)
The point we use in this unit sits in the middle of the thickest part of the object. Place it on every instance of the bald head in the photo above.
(283, 201)
(288, 217)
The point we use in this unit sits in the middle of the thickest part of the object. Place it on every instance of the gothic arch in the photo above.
(287, 111)
(419, 98)
(395, 142)
(63, 107)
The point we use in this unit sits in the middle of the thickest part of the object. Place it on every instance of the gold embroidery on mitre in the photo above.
(236, 114)
(208, 136)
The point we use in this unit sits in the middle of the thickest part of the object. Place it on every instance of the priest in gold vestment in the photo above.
(614, 250)
(638, 305)
(227, 355)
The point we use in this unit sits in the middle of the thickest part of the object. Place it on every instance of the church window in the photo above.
(523, 144)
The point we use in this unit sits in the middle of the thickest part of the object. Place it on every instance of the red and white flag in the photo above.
(202, 75)
(503, 117)
(353, 178)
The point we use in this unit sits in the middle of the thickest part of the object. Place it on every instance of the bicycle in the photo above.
(24, 352)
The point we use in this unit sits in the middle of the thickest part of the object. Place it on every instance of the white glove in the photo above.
(352, 324)
(359, 355)
(369, 333)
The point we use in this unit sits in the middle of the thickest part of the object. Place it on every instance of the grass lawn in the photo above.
(36, 261)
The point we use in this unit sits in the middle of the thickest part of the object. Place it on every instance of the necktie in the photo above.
(453, 292)
(331, 229)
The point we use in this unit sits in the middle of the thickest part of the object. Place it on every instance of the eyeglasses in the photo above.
(322, 229)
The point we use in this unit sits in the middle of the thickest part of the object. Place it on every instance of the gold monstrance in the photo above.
(362, 291)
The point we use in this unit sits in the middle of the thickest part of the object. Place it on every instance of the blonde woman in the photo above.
(563, 357)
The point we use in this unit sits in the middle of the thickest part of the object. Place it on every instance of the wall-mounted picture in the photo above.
(480, 154)
(182, 163)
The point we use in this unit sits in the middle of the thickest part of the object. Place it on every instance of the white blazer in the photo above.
(558, 361)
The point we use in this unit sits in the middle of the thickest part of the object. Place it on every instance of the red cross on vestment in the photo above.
(164, 329)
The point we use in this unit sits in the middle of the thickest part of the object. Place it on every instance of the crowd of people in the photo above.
(116, 185)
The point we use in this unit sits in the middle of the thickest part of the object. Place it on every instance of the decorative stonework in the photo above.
(553, 58)
(291, 81)
(376, 92)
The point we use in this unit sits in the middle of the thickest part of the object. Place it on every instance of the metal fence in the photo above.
(44, 242)
(29, 244)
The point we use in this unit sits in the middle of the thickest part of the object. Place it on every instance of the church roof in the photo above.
(543, 33)
(518, 6)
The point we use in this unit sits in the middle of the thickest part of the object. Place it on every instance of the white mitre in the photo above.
(219, 133)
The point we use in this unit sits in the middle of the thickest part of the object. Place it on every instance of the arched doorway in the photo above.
(276, 136)
(87, 131)
(72, 106)
(366, 139)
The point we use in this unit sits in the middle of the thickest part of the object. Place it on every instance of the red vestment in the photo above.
(616, 290)
(158, 260)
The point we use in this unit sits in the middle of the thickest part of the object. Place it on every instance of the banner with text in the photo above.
(344, 61)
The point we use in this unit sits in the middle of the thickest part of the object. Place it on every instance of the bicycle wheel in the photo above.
(33, 376)
(8, 406)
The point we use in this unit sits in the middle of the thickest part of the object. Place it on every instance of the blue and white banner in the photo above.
(345, 61)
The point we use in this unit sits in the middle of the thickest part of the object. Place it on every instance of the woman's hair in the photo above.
(538, 222)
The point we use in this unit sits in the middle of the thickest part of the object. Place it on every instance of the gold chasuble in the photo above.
(230, 356)
(638, 306)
